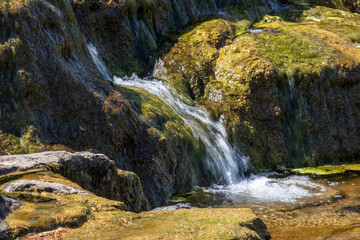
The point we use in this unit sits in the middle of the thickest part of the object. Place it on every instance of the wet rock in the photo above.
(54, 98)
(4, 211)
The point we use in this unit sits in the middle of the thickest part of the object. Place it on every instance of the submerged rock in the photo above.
(179, 224)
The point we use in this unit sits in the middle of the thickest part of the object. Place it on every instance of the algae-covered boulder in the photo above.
(284, 86)
(46, 201)
(132, 33)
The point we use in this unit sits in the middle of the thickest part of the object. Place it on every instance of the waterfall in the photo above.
(224, 164)
(99, 64)
(274, 5)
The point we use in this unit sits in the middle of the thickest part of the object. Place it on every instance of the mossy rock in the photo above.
(277, 83)
(38, 212)
(328, 169)
(170, 224)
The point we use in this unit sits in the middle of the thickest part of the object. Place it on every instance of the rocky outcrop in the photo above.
(93, 172)
(284, 87)
(54, 98)
(130, 33)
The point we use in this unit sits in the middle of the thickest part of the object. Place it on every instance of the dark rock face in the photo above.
(129, 32)
(52, 93)
(93, 172)
(354, 5)
(5, 209)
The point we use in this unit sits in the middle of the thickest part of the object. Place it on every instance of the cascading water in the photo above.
(223, 162)
(225, 165)
(99, 64)
(275, 5)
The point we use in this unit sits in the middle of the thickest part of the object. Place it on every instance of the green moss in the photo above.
(182, 224)
(328, 169)
(190, 62)
(46, 211)
(29, 142)
(37, 216)
(17, 175)
(169, 124)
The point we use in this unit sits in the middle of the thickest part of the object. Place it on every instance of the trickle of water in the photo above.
(275, 5)
(291, 81)
(99, 64)
(224, 164)
(314, 15)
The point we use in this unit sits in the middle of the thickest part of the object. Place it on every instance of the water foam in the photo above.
(263, 189)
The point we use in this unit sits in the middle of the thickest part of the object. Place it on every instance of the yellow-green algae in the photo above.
(46, 211)
(93, 217)
(328, 169)
(171, 224)
(29, 142)
(276, 64)
(166, 123)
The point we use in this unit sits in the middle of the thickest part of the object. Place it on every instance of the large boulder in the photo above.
(284, 87)
(93, 172)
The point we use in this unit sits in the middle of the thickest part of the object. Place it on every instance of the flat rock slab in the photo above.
(12, 163)
(41, 186)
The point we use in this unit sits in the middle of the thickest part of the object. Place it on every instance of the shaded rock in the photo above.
(130, 33)
(93, 172)
(5, 209)
(54, 98)
(40, 186)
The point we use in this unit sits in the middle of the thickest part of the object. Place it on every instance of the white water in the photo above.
(261, 189)
(223, 162)
(99, 64)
